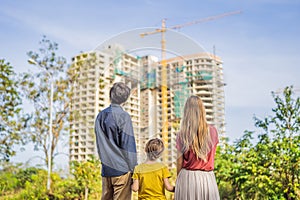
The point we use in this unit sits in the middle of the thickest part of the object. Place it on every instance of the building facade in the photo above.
(199, 74)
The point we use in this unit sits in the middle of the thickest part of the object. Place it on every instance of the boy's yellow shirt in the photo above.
(151, 180)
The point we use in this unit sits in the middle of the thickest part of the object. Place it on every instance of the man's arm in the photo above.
(97, 130)
(135, 185)
(128, 141)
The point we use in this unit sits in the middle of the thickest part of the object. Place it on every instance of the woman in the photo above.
(196, 146)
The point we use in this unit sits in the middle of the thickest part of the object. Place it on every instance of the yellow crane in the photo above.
(164, 87)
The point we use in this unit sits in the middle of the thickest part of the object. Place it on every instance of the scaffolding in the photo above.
(198, 74)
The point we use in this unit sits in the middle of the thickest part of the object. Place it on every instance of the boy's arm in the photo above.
(135, 185)
(168, 186)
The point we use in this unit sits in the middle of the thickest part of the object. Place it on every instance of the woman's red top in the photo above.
(190, 161)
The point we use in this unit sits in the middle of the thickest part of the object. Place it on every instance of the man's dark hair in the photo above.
(119, 93)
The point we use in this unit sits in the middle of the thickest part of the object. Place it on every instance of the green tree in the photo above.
(266, 168)
(224, 166)
(87, 175)
(245, 166)
(17, 182)
(10, 109)
(67, 189)
(35, 188)
(35, 87)
(281, 143)
(24, 175)
(8, 181)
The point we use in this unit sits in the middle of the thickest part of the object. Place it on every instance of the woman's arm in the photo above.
(168, 186)
(179, 161)
(135, 185)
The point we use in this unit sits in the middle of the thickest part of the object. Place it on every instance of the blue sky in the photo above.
(259, 47)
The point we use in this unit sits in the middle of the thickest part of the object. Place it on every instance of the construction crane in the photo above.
(164, 87)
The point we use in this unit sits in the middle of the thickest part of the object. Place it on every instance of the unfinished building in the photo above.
(198, 74)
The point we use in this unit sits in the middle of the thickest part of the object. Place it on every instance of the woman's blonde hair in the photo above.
(194, 131)
(154, 148)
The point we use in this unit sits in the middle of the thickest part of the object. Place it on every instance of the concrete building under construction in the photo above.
(198, 74)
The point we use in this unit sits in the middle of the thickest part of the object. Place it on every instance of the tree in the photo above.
(281, 142)
(8, 180)
(35, 87)
(268, 168)
(87, 176)
(224, 166)
(10, 110)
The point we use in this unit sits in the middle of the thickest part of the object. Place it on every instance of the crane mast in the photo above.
(164, 89)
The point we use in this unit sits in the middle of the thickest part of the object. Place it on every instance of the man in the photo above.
(116, 146)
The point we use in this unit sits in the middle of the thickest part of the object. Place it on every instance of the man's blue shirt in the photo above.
(115, 141)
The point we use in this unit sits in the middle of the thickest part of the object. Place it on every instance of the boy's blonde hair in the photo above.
(154, 148)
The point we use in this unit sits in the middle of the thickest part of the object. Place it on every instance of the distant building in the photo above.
(199, 74)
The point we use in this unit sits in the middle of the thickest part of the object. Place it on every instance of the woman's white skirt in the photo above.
(196, 185)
